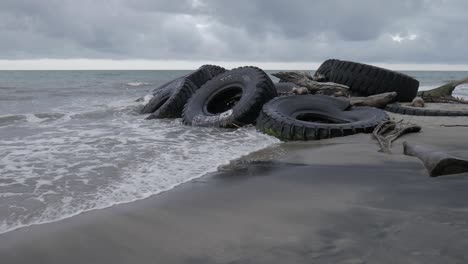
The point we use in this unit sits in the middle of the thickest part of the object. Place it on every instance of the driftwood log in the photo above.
(388, 131)
(302, 79)
(443, 94)
(437, 162)
(378, 100)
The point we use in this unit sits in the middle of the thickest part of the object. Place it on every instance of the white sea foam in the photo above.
(104, 156)
(137, 84)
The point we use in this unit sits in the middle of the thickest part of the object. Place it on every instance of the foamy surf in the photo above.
(105, 156)
(137, 84)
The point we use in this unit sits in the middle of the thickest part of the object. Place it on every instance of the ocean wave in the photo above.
(8, 119)
(114, 109)
(7, 88)
(31, 118)
(103, 157)
(137, 84)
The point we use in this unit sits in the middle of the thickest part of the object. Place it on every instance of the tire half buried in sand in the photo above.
(313, 117)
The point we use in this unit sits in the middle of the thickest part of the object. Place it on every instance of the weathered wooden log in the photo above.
(300, 90)
(387, 132)
(417, 102)
(314, 87)
(445, 90)
(378, 100)
(437, 162)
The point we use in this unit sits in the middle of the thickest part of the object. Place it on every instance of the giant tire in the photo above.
(213, 70)
(322, 74)
(231, 99)
(170, 102)
(416, 111)
(199, 77)
(365, 80)
(163, 92)
(314, 117)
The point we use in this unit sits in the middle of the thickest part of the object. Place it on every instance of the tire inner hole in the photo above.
(320, 118)
(224, 100)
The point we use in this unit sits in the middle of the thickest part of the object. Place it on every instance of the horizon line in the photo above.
(141, 64)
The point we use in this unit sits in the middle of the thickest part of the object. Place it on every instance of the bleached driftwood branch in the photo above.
(443, 94)
(305, 80)
(388, 131)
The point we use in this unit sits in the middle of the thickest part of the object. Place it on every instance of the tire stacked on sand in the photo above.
(416, 111)
(170, 101)
(231, 99)
(314, 117)
(170, 98)
(365, 80)
(324, 71)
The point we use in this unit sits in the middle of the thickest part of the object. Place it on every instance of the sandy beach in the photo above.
(329, 201)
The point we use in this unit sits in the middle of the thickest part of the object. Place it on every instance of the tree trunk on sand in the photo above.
(305, 80)
(437, 162)
(378, 100)
(442, 91)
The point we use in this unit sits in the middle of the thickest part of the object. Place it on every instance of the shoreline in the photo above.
(169, 188)
(335, 200)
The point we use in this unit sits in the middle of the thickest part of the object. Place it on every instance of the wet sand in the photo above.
(329, 201)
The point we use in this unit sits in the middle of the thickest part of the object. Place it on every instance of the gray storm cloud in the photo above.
(406, 31)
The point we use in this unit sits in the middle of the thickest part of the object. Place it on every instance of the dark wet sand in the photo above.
(333, 201)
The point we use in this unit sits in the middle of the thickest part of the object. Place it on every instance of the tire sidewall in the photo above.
(196, 114)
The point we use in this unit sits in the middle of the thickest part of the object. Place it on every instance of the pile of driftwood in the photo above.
(437, 162)
(312, 85)
(387, 132)
(306, 84)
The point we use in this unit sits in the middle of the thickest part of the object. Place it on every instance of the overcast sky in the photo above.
(183, 33)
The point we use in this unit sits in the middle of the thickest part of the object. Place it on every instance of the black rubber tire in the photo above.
(365, 80)
(213, 70)
(416, 111)
(281, 118)
(160, 93)
(170, 102)
(284, 87)
(322, 74)
(247, 88)
(198, 77)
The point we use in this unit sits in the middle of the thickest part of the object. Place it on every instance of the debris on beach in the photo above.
(388, 131)
(403, 109)
(417, 102)
(364, 80)
(378, 100)
(231, 99)
(314, 117)
(300, 90)
(443, 94)
(214, 96)
(436, 161)
(302, 79)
